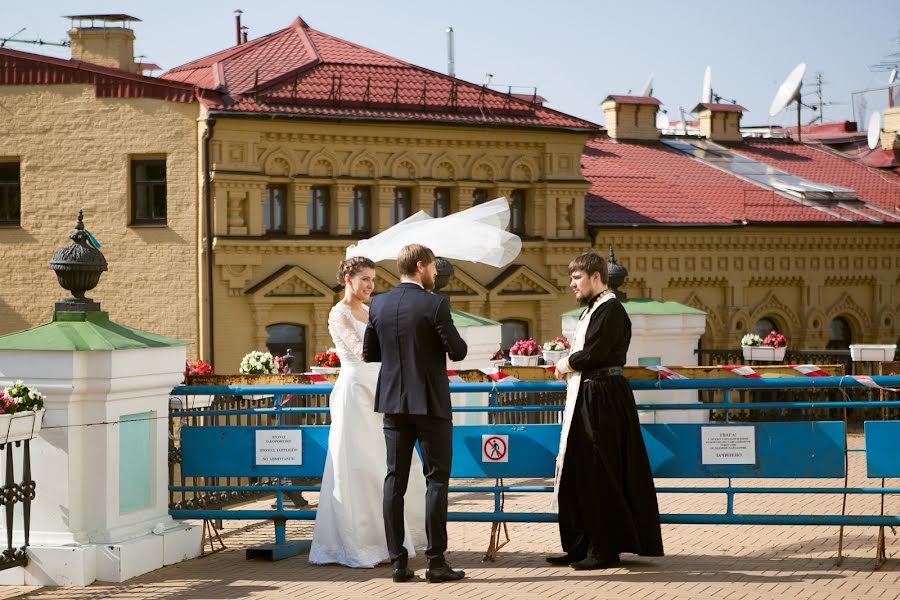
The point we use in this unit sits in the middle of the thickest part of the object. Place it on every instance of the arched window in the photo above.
(765, 326)
(841, 334)
(512, 330)
(284, 336)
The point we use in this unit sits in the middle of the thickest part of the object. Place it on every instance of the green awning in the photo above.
(80, 331)
(464, 319)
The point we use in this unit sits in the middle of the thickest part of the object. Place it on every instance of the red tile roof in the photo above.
(25, 68)
(718, 107)
(633, 100)
(303, 72)
(648, 182)
(817, 164)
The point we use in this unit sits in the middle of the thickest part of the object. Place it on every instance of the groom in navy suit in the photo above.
(411, 333)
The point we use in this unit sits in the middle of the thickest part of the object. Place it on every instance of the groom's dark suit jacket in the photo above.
(411, 333)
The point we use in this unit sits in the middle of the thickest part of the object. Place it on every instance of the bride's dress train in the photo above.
(349, 522)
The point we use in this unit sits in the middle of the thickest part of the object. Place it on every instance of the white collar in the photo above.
(412, 281)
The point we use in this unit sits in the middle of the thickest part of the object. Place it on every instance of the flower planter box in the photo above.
(764, 353)
(551, 357)
(873, 352)
(325, 370)
(519, 360)
(20, 426)
(261, 379)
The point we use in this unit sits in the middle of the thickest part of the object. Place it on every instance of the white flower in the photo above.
(751, 339)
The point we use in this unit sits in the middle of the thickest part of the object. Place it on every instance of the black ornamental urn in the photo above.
(616, 275)
(78, 267)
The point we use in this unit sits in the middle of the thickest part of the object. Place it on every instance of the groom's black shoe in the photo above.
(403, 574)
(442, 574)
(565, 559)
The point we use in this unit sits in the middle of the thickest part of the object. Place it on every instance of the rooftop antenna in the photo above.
(451, 67)
(237, 25)
(790, 92)
(706, 93)
(874, 130)
(11, 38)
(648, 87)
(37, 41)
(683, 120)
(891, 79)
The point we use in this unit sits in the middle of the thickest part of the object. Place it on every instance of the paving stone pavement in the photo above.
(732, 562)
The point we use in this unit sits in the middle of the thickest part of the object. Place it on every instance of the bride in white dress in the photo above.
(349, 520)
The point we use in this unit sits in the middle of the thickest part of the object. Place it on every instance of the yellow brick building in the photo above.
(328, 143)
(103, 138)
(759, 233)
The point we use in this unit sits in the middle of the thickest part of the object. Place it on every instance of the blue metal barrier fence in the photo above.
(793, 449)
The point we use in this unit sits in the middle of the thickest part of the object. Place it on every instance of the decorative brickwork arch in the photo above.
(523, 170)
(278, 163)
(857, 316)
(322, 164)
(772, 306)
(444, 167)
(404, 166)
(364, 166)
(483, 170)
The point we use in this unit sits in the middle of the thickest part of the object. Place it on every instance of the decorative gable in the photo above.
(290, 284)
(521, 281)
(461, 284)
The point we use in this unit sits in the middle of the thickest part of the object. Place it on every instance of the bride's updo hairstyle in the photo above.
(352, 266)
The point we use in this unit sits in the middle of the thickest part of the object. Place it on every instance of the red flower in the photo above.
(198, 368)
(329, 358)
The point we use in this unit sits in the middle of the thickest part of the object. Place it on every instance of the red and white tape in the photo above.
(741, 370)
(810, 370)
(665, 372)
(870, 383)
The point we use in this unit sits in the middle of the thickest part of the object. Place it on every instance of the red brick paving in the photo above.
(703, 561)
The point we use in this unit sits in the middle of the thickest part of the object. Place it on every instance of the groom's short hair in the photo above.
(409, 258)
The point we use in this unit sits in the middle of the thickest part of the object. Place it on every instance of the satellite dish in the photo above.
(874, 130)
(662, 121)
(789, 90)
(892, 77)
(706, 94)
(648, 87)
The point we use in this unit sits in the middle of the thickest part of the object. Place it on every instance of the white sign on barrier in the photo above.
(494, 448)
(279, 447)
(728, 445)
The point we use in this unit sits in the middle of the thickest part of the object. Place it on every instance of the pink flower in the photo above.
(527, 347)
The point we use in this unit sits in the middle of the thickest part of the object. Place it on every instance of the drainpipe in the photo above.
(208, 224)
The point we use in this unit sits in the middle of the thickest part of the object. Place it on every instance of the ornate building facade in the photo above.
(336, 143)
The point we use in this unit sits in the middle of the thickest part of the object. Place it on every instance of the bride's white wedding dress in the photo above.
(349, 520)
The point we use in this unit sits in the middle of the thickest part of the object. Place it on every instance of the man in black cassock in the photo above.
(604, 486)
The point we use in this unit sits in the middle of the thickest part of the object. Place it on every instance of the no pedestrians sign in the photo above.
(494, 448)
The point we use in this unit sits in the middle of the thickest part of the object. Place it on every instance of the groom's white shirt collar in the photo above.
(412, 281)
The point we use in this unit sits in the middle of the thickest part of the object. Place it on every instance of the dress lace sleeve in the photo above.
(343, 333)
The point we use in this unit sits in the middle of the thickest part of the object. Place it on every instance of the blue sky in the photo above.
(574, 51)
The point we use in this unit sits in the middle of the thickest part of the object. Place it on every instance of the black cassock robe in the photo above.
(607, 499)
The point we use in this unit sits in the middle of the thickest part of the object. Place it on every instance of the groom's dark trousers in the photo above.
(411, 333)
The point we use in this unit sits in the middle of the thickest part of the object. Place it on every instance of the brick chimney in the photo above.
(631, 117)
(100, 40)
(720, 122)
(890, 129)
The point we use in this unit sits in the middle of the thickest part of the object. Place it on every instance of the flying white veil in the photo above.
(477, 234)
